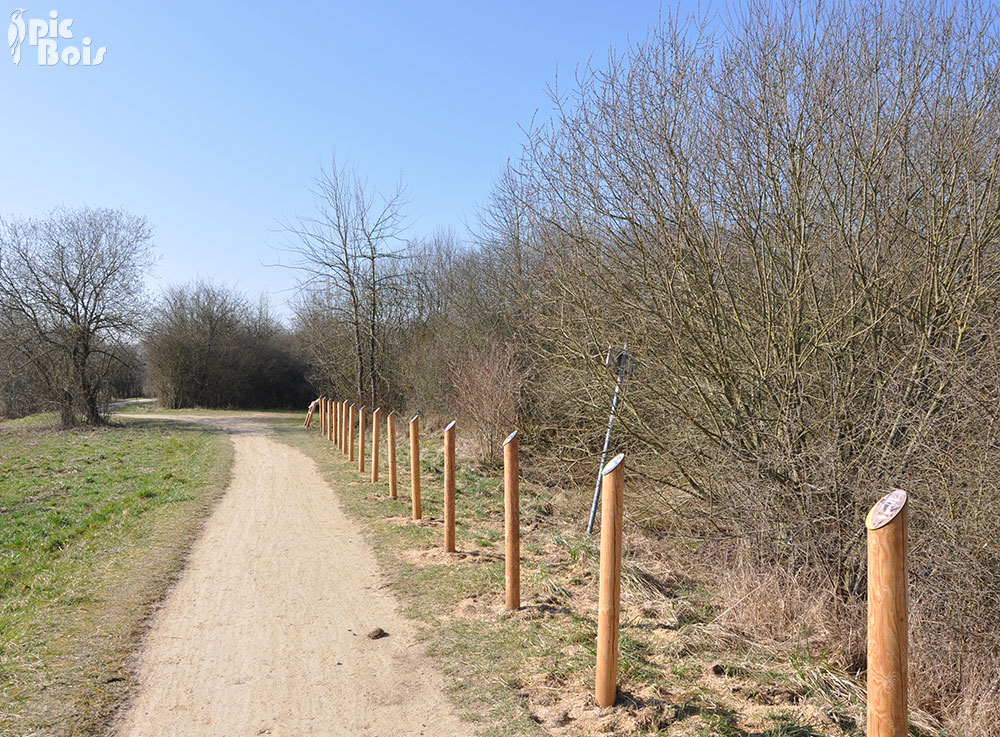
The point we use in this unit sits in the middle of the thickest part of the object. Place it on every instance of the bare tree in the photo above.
(341, 252)
(71, 299)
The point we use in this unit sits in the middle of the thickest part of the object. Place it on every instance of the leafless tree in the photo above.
(71, 298)
(342, 253)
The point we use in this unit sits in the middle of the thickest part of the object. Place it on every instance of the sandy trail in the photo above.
(265, 632)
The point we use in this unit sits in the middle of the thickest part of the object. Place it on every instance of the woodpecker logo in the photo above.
(49, 36)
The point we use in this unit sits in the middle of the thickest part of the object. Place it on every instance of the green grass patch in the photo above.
(95, 523)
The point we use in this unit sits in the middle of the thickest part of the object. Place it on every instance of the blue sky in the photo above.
(212, 119)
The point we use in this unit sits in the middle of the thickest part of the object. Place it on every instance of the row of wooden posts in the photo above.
(886, 523)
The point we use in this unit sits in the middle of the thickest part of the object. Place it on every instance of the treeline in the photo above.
(209, 346)
(792, 220)
(77, 329)
(794, 224)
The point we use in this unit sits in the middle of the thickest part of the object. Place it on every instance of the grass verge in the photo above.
(95, 525)
(531, 672)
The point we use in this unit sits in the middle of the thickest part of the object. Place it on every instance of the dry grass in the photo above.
(705, 649)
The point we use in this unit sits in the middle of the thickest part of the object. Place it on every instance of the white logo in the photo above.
(47, 36)
(15, 34)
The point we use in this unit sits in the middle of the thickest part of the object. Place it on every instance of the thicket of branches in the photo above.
(794, 223)
(210, 346)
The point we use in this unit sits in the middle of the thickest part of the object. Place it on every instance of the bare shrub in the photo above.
(210, 346)
(796, 228)
(487, 395)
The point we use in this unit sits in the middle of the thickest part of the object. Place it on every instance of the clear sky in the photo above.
(211, 119)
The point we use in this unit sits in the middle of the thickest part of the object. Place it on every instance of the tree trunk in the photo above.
(66, 409)
(372, 373)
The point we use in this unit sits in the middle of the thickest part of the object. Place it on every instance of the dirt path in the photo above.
(265, 633)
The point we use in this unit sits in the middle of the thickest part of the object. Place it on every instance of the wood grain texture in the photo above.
(888, 625)
(612, 509)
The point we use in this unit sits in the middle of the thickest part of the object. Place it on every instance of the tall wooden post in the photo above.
(376, 420)
(361, 439)
(334, 425)
(415, 465)
(350, 432)
(322, 415)
(512, 521)
(888, 616)
(449, 488)
(390, 442)
(339, 411)
(612, 509)
(343, 427)
(329, 425)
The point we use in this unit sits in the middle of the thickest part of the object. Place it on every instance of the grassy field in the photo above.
(95, 524)
(532, 672)
(146, 407)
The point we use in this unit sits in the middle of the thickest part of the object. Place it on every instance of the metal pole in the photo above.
(622, 363)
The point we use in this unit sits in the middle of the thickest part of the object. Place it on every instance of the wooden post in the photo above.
(338, 438)
(376, 420)
(449, 488)
(612, 508)
(345, 410)
(390, 442)
(512, 521)
(334, 425)
(361, 439)
(322, 415)
(329, 424)
(415, 465)
(309, 415)
(888, 616)
(350, 433)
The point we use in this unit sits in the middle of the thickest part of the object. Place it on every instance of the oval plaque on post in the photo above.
(886, 509)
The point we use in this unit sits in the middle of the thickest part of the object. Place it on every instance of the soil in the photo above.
(268, 630)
